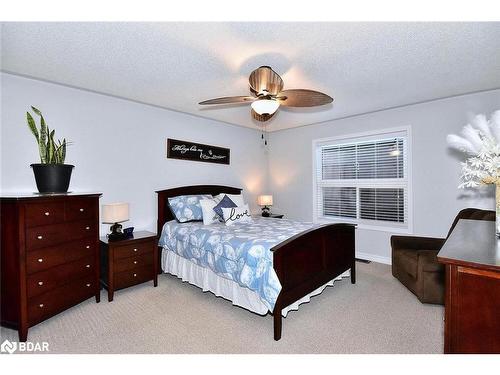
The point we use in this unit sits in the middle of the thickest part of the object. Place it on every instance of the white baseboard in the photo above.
(374, 258)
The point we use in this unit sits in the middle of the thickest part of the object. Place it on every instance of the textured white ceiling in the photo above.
(364, 66)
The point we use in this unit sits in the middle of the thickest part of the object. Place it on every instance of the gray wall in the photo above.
(119, 150)
(119, 147)
(436, 169)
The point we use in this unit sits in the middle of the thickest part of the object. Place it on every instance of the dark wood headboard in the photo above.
(164, 213)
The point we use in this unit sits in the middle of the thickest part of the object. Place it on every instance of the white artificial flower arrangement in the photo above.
(481, 141)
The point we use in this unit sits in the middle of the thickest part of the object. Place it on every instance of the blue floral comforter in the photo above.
(240, 253)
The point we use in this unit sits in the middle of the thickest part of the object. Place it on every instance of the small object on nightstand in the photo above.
(265, 201)
(129, 262)
(115, 213)
(128, 232)
(276, 216)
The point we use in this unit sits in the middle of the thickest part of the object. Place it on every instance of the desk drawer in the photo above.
(46, 213)
(50, 303)
(45, 281)
(140, 248)
(49, 235)
(132, 277)
(43, 259)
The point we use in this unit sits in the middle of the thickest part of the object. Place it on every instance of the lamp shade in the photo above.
(265, 200)
(114, 212)
(265, 106)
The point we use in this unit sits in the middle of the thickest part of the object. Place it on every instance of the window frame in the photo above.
(377, 225)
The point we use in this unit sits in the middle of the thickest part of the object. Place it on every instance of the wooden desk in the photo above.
(472, 303)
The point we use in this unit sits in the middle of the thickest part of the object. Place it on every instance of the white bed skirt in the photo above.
(207, 280)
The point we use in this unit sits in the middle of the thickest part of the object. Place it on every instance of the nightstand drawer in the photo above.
(132, 277)
(45, 281)
(56, 300)
(79, 209)
(40, 260)
(44, 213)
(49, 235)
(140, 248)
(131, 263)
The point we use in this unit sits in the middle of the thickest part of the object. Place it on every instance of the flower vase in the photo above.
(497, 223)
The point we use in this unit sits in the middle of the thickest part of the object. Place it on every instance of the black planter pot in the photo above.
(52, 178)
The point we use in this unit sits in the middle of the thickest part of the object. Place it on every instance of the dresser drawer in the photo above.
(49, 235)
(44, 213)
(140, 248)
(44, 281)
(132, 263)
(50, 303)
(132, 277)
(79, 209)
(42, 259)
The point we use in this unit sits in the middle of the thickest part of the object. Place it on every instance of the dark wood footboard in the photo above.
(309, 260)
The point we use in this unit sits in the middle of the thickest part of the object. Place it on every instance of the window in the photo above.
(363, 180)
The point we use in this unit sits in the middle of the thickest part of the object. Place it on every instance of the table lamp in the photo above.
(265, 201)
(115, 213)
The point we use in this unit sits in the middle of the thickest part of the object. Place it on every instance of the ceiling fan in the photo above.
(266, 87)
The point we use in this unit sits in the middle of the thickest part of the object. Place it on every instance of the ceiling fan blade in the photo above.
(303, 98)
(261, 118)
(264, 78)
(229, 100)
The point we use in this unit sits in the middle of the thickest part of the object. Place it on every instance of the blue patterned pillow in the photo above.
(226, 202)
(187, 207)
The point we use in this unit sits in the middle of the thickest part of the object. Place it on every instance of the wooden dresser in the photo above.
(49, 256)
(472, 302)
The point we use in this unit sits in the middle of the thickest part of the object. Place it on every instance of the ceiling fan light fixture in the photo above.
(266, 87)
(265, 106)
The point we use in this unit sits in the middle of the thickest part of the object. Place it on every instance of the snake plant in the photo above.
(51, 151)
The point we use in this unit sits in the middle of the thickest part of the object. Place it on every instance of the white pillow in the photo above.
(238, 215)
(207, 209)
(236, 198)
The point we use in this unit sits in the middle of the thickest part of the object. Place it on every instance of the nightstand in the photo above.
(276, 216)
(129, 262)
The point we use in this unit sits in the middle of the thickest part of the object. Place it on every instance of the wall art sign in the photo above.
(196, 152)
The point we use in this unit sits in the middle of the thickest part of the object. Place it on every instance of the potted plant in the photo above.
(51, 174)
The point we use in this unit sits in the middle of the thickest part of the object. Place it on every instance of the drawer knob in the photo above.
(40, 283)
(47, 213)
(87, 265)
(39, 237)
(135, 275)
(87, 228)
(135, 250)
(40, 305)
(135, 262)
(87, 247)
(40, 260)
(81, 209)
(87, 285)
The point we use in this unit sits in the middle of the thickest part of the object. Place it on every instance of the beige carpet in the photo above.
(377, 315)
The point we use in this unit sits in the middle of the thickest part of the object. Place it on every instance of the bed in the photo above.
(296, 260)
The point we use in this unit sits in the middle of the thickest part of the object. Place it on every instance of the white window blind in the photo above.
(363, 180)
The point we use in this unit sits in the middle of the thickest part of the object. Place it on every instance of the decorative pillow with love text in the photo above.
(237, 215)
